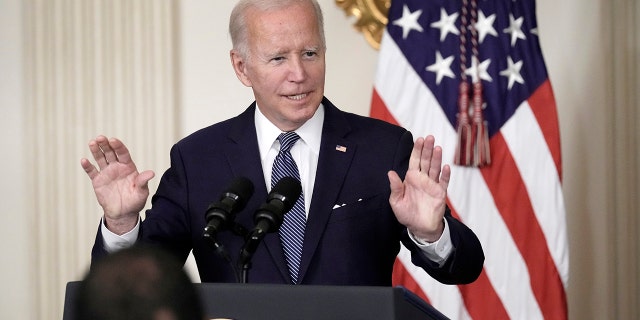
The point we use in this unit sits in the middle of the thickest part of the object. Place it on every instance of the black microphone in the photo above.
(268, 218)
(221, 214)
(281, 199)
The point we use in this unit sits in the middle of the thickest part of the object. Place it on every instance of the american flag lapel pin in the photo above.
(341, 148)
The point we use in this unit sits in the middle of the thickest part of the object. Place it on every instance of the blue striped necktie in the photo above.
(292, 229)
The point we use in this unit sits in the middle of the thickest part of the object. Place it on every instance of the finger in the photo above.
(445, 176)
(109, 154)
(89, 168)
(416, 152)
(436, 163)
(120, 150)
(427, 153)
(97, 153)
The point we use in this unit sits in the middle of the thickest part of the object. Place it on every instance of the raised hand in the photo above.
(120, 189)
(419, 201)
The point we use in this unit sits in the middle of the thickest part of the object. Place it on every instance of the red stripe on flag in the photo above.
(402, 277)
(512, 200)
(379, 109)
(543, 106)
(480, 298)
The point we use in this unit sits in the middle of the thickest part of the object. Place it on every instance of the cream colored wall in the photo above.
(576, 39)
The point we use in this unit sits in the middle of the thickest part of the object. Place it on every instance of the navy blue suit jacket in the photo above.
(355, 244)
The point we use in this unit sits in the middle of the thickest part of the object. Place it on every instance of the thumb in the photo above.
(396, 186)
(142, 180)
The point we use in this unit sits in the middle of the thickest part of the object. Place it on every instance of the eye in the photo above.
(310, 54)
(277, 59)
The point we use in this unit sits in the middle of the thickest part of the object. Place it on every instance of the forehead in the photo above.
(294, 26)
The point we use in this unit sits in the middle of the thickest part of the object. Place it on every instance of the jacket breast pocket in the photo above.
(361, 209)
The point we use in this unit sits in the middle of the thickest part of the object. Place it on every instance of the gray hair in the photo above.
(238, 23)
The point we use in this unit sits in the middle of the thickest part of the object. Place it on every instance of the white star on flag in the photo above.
(442, 67)
(513, 72)
(515, 29)
(479, 70)
(409, 21)
(485, 26)
(446, 24)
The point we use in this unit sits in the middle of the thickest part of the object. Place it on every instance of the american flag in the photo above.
(514, 203)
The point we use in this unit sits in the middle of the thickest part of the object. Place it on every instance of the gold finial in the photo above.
(371, 17)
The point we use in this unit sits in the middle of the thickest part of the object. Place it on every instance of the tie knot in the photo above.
(287, 140)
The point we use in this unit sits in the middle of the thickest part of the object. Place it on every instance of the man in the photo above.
(140, 282)
(356, 205)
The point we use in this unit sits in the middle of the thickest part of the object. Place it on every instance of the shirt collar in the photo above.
(310, 132)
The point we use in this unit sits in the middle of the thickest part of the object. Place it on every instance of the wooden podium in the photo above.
(282, 302)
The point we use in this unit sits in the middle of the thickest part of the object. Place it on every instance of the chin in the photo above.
(299, 118)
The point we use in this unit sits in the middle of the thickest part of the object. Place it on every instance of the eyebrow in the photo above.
(280, 52)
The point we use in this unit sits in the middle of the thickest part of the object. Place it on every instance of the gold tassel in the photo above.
(481, 156)
(465, 135)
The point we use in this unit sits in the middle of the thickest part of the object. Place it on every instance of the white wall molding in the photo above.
(91, 67)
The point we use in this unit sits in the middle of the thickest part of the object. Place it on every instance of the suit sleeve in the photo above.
(168, 222)
(465, 262)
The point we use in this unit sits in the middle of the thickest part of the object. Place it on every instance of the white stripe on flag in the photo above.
(503, 261)
(538, 170)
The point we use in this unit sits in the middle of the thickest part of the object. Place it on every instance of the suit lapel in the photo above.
(336, 154)
(243, 154)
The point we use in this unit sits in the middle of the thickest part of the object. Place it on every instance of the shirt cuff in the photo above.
(439, 250)
(113, 242)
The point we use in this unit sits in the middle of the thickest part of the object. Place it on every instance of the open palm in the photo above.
(120, 189)
(419, 201)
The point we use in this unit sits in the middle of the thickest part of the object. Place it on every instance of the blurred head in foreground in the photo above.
(142, 283)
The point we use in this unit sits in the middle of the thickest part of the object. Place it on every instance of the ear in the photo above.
(239, 66)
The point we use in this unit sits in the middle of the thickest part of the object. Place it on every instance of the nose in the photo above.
(297, 71)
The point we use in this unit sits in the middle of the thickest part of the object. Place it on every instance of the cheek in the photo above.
(269, 81)
(318, 74)
(259, 75)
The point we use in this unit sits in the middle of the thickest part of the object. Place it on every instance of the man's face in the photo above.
(286, 64)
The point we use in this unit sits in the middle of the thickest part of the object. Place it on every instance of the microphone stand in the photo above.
(249, 248)
(238, 230)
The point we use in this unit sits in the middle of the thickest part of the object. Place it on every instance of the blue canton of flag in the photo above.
(510, 67)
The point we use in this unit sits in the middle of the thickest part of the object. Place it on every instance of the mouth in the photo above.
(297, 96)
